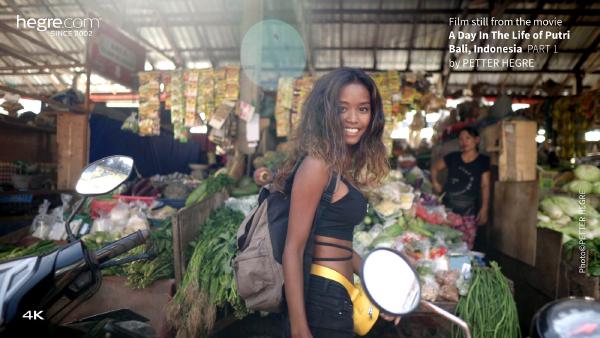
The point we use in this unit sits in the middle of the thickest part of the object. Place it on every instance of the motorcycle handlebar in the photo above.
(121, 246)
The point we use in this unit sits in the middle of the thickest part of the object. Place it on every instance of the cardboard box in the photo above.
(513, 144)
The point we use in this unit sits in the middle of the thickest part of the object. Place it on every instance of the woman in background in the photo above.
(467, 188)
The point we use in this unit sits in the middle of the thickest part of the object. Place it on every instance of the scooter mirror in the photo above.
(104, 175)
(390, 281)
(567, 317)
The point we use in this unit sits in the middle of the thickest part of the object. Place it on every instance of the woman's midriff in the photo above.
(321, 251)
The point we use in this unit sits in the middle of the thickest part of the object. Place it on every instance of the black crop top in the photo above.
(339, 218)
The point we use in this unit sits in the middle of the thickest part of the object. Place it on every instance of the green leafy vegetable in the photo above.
(488, 307)
(208, 187)
(209, 283)
(38, 249)
(588, 173)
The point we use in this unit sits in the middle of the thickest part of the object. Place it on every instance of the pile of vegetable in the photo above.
(390, 235)
(208, 187)
(587, 180)
(143, 273)
(271, 159)
(245, 187)
(489, 307)
(564, 214)
(575, 207)
(37, 249)
(209, 283)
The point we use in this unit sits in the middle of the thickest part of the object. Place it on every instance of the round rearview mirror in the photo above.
(390, 282)
(104, 175)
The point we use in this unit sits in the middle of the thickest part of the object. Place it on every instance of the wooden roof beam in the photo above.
(443, 64)
(495, 10)
(90, 6)
(305, 32)
(572, 20)
(375, 41)
(413, 36)
(539, 6)
(8, 29)
(165, 29)
(591, 49)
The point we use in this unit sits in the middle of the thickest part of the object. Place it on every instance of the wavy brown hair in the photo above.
(320, 133)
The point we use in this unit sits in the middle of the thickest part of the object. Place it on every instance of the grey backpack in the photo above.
(261, 239)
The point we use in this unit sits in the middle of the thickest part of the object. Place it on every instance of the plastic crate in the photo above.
(15, 204)
(17, 198)
(101, 205)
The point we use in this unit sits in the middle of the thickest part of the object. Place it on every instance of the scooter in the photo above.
(392, 284)
(37, 292)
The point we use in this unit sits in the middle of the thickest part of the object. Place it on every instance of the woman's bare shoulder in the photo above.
(313, 169)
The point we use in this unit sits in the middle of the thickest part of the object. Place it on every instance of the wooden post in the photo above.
(72, 139)
(514, 231)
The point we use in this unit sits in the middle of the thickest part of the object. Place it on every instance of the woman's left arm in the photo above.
(485, 197)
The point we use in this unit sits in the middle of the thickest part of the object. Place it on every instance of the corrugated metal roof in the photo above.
(205, 30)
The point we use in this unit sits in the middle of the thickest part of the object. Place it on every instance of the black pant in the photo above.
(328, 310)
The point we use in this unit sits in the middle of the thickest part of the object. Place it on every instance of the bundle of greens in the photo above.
(143, 273)
(38, 249)
(208, 187)
(209, 283)
(489, 308)
(140, 274)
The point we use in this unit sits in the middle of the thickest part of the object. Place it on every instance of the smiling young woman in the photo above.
(340, 133)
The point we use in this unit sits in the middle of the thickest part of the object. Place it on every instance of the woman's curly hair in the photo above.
(320, 133)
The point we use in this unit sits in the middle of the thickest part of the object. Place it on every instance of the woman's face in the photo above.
(355, 111)
(467, 142)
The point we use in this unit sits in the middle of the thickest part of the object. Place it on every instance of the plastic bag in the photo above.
(40, 227)
(430, 289)
(464, 280)
(102, 223)
(243, 204)
(131, 123)
(449, 293)
(65, 200)
(119, 215)
(137, 221)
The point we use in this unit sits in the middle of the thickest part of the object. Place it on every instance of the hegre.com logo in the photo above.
(61, 26)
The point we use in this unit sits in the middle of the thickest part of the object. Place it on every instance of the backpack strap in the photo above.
(289, 181)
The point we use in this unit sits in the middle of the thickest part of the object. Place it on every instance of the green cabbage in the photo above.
(543, 218)
(568, 205)
(588, 173)
(550, 208)
(596, 188)
(580, 187)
